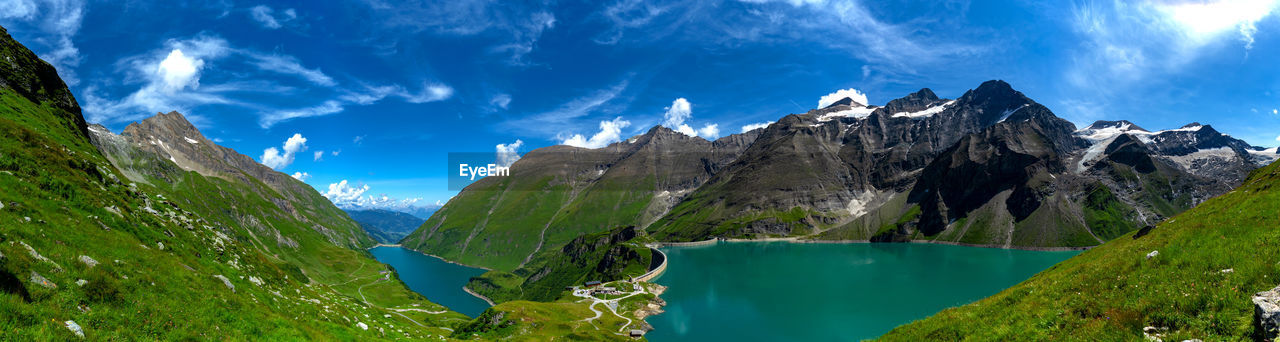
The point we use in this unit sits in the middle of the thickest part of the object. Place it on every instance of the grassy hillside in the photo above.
(605, 256)
(1211, 259)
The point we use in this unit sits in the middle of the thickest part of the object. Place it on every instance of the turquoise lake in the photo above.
(781, 291)
(441, 282)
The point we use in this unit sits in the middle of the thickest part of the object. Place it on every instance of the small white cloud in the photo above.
(335, 153)
(429, 93)
(710, 131)
(838, 95)
(1278, 138)
(509, 153)
(266, 17)
(500, 101)
(1275, 111)
(273, 158)
(679, 111)
(290, 65)
(357, 139)
(755, 126)
(319, 155)
(610, 131)
(328, 107)
(302, 176)
(178, 71)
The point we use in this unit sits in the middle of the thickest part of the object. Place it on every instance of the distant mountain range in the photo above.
(992, 167)
(386, 226)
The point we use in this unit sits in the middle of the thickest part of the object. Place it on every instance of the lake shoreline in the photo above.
(473, 293)
(800, 240)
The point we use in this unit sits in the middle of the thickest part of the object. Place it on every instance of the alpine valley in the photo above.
(159, 233)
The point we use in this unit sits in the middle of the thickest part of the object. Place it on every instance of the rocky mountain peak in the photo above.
(1192, 125)
(846, 102)
(1121, 125)
(993, 101)
(913, 102)
(172, 126)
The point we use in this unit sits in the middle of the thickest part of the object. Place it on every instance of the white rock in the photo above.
(42, 281)
(1153, 254)
(75, 328)
(1266, 313)
(363, 326)
(160, 245)
(226, 281)
(88, 261)
(255, 280)
(1229, 270)
(81, 282)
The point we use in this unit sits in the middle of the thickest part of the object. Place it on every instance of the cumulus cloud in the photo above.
(341, 193)
(267, 17)
(275, 159)
(302, 176)
(509, 153)
(348, 196)
(610, 132)
(178, 71)
(710, 131)
(319, 155)
(755, 126)
(841, 94)
(679, 112)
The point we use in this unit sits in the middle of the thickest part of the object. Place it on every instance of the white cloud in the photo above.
(1275, 111)
(266, 16)
(328, 107)
(841, 94)
(1278, 138)
(755, 126)
(610, 131)
(302, 176)
(430, 93)
(679, 111)
(273, 158)
(290, 65)
(555, 121)
(500, 101)
(509, 153)
(513, 29)
(343, 194)
(335, 153)
(319, 155)
(178, 71)
(710, 131)
(1125, 43)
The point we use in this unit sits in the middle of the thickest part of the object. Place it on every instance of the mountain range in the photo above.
(992, 167)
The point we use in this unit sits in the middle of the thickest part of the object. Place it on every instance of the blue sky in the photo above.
(365, 98)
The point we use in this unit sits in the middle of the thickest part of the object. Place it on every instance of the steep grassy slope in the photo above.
(1211, 259)
(605, 256)
(80, 244)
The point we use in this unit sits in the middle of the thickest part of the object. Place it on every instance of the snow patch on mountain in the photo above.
(927, 112)
(1199, 158)
(853, 112)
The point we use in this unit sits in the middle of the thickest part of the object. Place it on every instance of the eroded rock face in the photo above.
(1266, 313)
